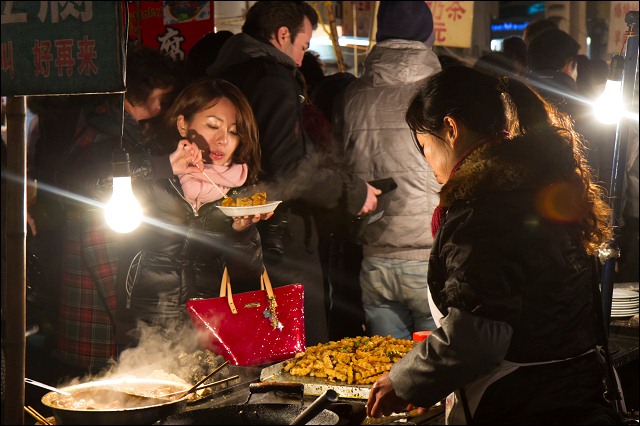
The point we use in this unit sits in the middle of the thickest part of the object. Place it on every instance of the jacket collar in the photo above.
(484, 170)
(242, 48)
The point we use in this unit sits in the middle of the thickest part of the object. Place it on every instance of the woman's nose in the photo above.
(221, 137)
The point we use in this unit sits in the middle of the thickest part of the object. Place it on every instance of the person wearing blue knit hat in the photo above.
(405, 20)
(395, 248)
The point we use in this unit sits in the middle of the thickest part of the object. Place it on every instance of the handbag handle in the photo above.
(225, 290)
(265, 284)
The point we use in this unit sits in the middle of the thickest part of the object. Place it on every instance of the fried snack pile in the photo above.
(257, 199)
(355, 360)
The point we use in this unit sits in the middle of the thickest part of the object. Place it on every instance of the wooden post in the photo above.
(334, 35)
(14, 338)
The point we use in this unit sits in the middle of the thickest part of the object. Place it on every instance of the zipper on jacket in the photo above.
(195, 212)
(131, 281)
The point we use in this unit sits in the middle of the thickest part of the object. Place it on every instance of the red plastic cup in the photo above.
(419, 336)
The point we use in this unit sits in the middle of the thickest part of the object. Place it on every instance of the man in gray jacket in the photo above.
(379, 144)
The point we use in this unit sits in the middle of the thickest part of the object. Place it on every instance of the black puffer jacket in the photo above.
(513, 283)
(180, 254)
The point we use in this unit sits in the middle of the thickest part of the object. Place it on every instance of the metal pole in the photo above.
(619, 164)
(13, 336)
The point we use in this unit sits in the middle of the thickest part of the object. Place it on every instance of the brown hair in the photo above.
(205, 93)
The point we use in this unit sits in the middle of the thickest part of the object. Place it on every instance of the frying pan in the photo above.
(260, 413)
(128, 415)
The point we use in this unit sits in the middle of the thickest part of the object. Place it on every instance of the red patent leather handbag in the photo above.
(254, 327)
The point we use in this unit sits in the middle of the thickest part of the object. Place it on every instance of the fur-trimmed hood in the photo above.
(504, 166)
(484, 170)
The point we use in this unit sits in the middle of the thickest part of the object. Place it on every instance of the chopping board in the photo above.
(314, 386)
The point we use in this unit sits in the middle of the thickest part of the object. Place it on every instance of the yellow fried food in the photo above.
(244, 201)
(259, 198)
(228, 202)
(355, 360)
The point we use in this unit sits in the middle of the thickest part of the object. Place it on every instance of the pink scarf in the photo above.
(198, 190)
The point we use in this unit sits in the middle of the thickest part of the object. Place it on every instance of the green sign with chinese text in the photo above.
(62, 47)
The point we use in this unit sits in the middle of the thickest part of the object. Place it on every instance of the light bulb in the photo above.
(608, 107)
(123, 212)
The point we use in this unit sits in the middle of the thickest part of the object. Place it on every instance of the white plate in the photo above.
(624, 294)
(249, 210)
(625, 310)
(618, 315)
(624, 304)
(627, 313)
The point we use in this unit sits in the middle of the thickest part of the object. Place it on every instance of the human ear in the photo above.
(283, 33)
(181, 124)
(451, 128)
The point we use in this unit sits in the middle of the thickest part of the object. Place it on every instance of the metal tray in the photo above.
(314, 386)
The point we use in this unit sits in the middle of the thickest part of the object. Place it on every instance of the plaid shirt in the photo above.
(86, 336)
(86, 333)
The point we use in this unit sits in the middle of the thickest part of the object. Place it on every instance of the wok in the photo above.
(108, 408)
(261, 413)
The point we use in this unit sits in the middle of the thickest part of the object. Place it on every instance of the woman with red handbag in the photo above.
(210, 149)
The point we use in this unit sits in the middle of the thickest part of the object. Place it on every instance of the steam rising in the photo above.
(164, 353)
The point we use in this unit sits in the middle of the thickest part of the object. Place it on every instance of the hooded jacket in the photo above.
(379, 144)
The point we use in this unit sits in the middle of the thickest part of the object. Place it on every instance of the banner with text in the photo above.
(59, 48)
(452, 22)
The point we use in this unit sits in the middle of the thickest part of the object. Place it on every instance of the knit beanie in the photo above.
(406, 20)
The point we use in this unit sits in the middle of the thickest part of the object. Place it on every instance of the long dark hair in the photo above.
(493, 108)
(205, 93)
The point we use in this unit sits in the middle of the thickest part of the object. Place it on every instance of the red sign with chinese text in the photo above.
(170, 26)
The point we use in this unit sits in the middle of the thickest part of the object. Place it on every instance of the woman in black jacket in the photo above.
(512, 266)
(182, 249)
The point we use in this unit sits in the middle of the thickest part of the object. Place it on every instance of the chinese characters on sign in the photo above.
(61, 47)
(452, 22)
(172, 27)
(617, 26)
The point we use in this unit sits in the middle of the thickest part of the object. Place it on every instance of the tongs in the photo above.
(196, 386)
(208, 385)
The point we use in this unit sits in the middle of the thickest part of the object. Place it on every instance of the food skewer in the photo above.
(212, 182)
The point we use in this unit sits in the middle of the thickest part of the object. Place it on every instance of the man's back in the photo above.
(380, 145)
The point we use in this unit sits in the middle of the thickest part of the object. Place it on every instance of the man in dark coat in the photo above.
(263, 62)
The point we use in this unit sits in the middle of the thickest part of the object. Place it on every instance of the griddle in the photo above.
(314, 386)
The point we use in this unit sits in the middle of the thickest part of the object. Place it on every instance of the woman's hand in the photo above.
(187, 158)
(240, 223)
(383, 400)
